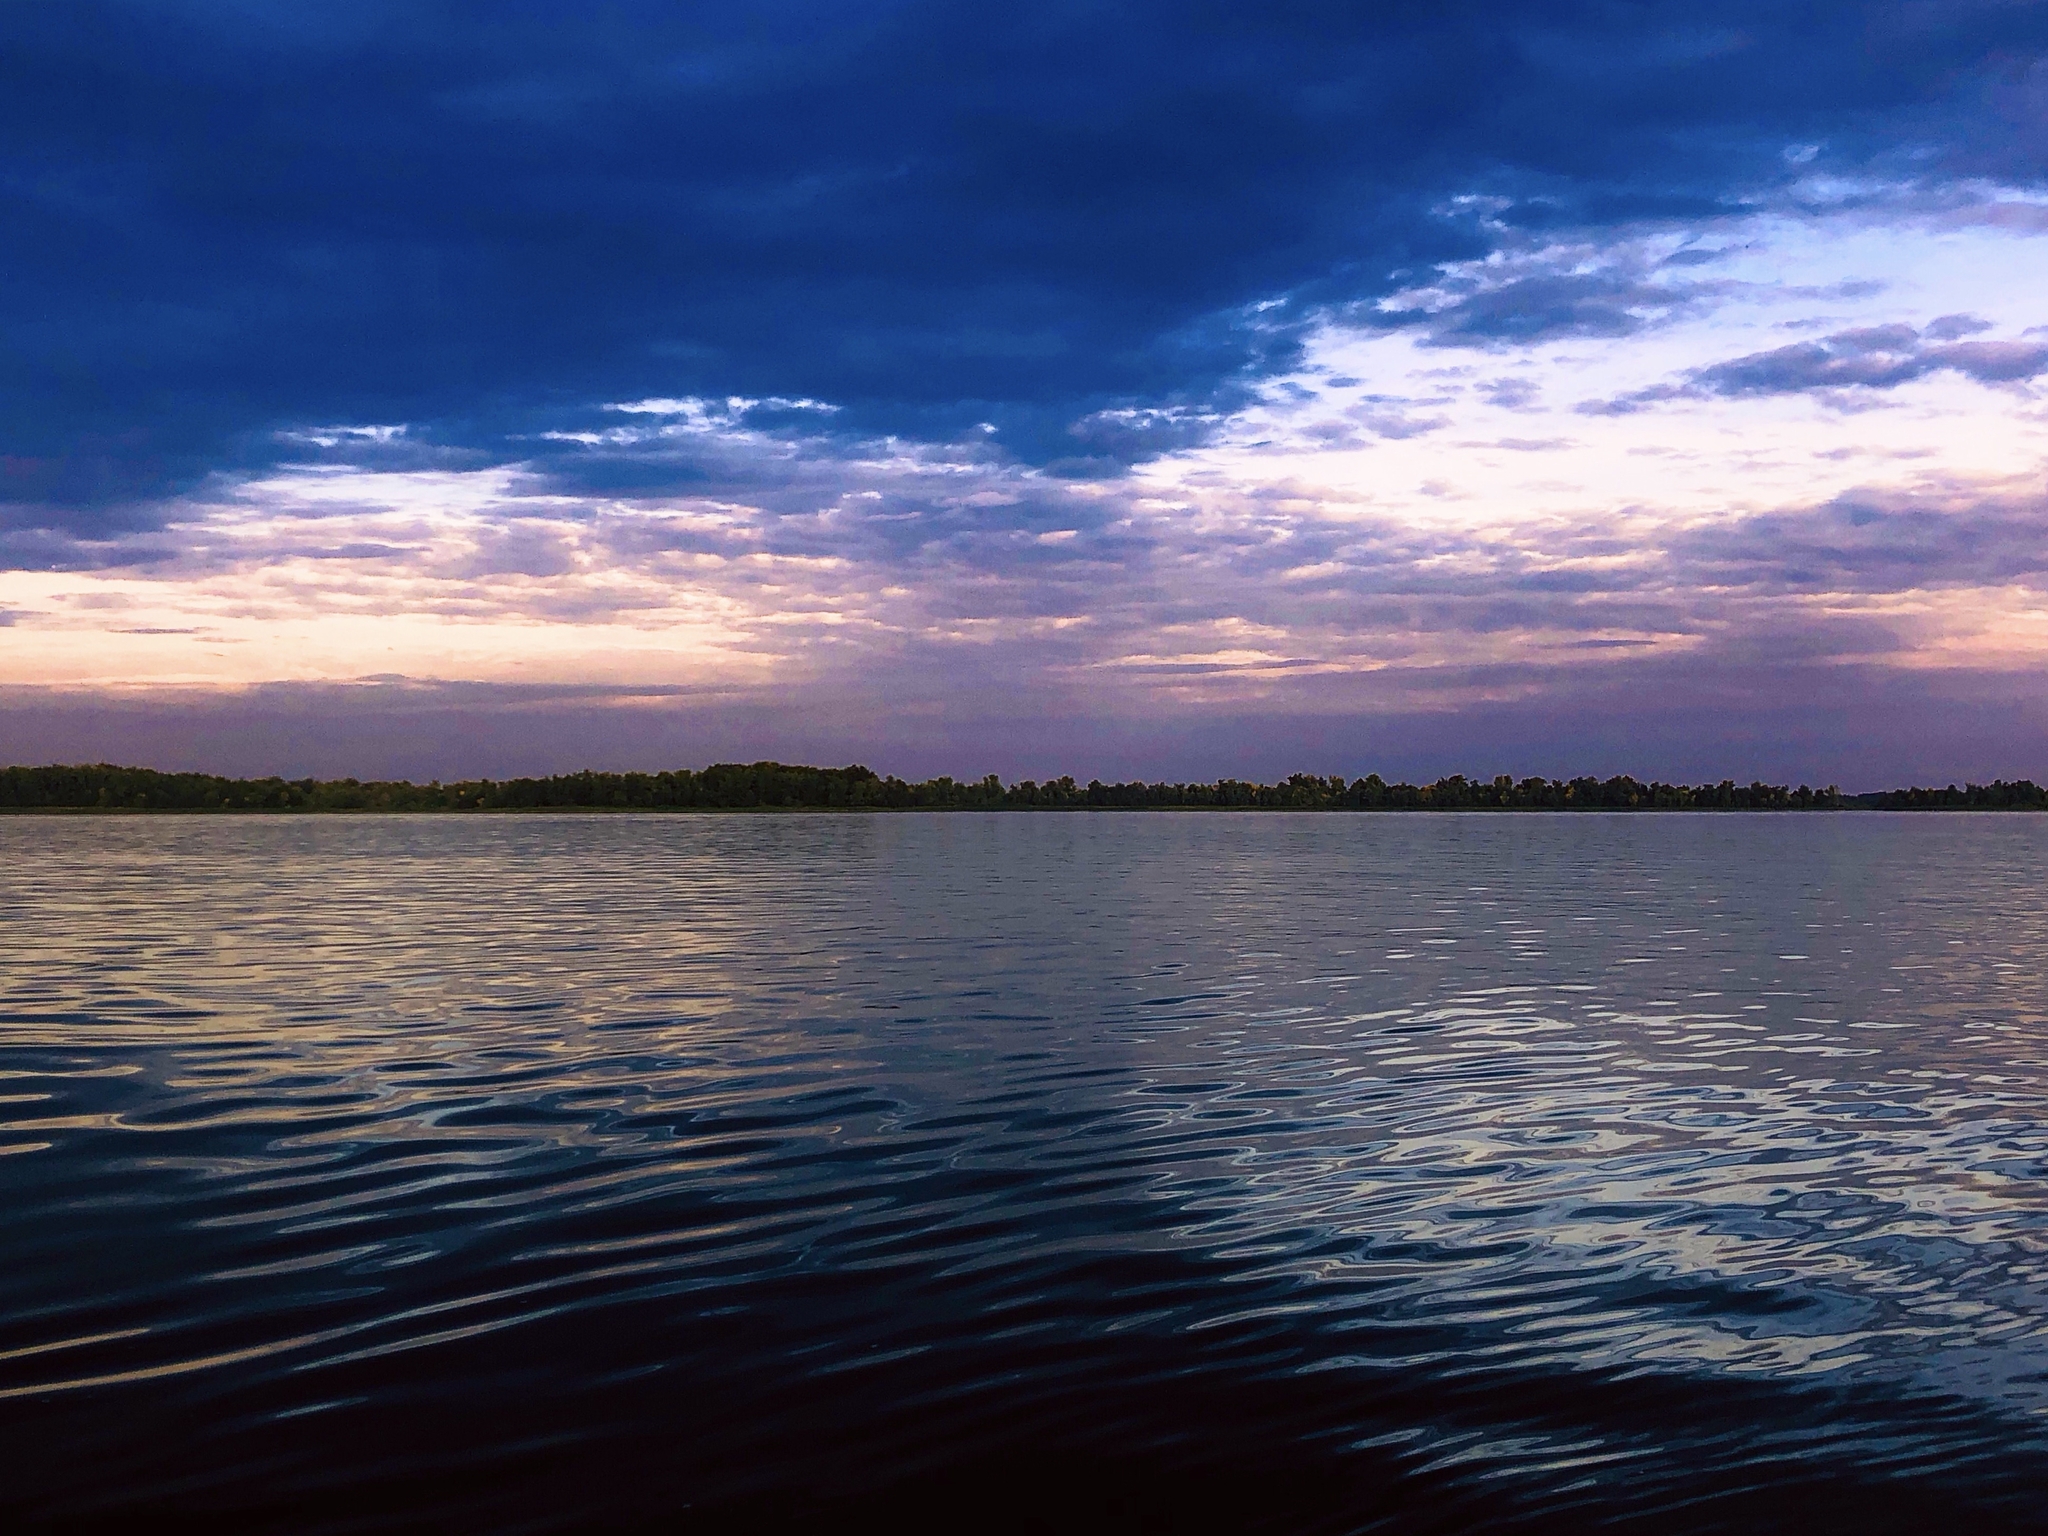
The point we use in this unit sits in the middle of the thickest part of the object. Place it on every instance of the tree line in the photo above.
(1998, 795)
(783, 786)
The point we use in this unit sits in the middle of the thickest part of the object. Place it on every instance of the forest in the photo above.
(789, 787)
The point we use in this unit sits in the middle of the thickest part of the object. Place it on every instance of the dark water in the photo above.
(1057, 1172)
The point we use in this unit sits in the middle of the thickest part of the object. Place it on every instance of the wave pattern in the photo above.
(1317, 1173)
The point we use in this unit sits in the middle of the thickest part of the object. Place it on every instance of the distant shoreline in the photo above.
(102, 788)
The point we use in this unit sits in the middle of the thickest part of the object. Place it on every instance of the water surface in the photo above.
(1063, 1171)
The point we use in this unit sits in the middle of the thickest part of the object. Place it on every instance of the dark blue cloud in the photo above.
(223, 220)
(1547, 306)
(1865, 358)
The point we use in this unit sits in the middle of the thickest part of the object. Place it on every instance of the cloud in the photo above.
(1547, 307)
(228, 231)
(1126, 435)
(868, 581)
(1874, 357)
(1874, 543)
(1954, 327)
(1511, 394)
(1865, 358)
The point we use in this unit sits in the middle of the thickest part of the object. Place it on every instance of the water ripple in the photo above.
(1301, 1171)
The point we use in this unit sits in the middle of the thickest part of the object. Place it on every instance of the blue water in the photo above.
(1055, 1172)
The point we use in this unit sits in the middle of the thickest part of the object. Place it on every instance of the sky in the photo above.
(1143, 390)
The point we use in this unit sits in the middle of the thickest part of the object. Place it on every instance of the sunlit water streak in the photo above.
(537, 1172)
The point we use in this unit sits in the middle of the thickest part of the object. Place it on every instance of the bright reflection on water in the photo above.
(1309, 1170)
